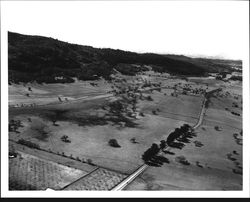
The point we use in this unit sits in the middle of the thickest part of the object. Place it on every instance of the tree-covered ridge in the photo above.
(42, 59)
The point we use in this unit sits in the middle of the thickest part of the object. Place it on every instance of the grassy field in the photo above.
(174, 176)
(40, 94)
(214, 155)
(214, 166)
(92, 142)
(183, 107)
(89, 125)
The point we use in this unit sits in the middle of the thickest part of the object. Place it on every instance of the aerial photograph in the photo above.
(92, 114)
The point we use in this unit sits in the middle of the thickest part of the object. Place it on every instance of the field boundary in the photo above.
(80, 178)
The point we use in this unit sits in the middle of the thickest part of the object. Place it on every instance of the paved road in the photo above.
(130, 178)
(202, 113)
(142, 168)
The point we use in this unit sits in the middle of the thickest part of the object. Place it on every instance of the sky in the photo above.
(217, 29)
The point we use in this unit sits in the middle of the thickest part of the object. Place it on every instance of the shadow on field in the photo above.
(85, 119)
(157, 161)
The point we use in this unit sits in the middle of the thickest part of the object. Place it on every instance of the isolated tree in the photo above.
(54, 122)
(65, 138)
(59, 99)
(217, 128)
(113, 143)
(141, 114)
(149, 98)
(133, 140)
(154, 112)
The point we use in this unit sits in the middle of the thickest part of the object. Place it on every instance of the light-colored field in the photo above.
(41, 94)
(100, 179)
(177, 177)
(28, 172)
(183, 107)
(217, 114)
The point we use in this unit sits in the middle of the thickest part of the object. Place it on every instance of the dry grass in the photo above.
(27, 172)
(48, 93)
(216, 165)
(100, 179)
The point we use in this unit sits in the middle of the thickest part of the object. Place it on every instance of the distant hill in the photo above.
(212, 65)
(43, 59)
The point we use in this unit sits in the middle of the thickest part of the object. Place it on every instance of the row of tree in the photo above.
(175, 139)
(179, 133)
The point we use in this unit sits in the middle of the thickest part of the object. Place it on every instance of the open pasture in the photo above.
(41, 94)
(214, 164)
(184, 107)
(91, 142)
(87, 126)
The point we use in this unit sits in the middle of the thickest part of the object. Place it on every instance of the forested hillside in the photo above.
(43, 59)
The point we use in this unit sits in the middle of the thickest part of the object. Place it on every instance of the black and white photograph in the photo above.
(148, 98)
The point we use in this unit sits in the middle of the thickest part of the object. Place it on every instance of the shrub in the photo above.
(154, 112)
(65, 138)
(113, 143)
(141, 114)
(235, 113)
(89, 161)
(149, 98)
(182, 160)
(28, 144)
(217, 128)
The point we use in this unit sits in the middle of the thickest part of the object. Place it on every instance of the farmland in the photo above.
(28, 172)
(90, 124)
(214, 156)
(86, 118)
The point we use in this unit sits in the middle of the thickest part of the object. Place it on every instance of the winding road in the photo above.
(142, 168)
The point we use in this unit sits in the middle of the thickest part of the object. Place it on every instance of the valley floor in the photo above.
(215, 154)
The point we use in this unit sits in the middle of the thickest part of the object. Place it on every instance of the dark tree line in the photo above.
(179, 133)
(176, 139)
(28, 143)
